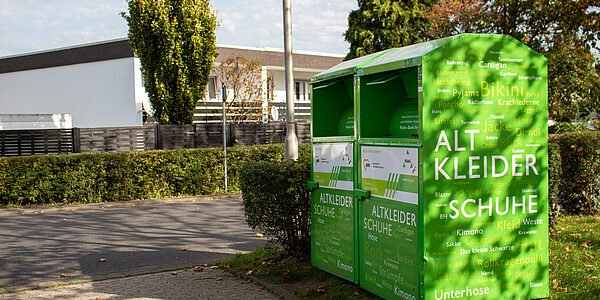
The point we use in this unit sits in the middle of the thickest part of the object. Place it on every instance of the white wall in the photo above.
(98, 94)
(35, 121)
(279, 77)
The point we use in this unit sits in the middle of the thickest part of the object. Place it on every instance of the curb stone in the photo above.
(21, 210)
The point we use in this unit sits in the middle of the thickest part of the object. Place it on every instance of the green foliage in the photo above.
(573, 83)
(565, 127)
(580, 160)
(176, 43)
(277, 201)
(382, 24)
(554, 175)
(86, 178)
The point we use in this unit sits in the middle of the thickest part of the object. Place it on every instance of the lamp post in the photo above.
(224, 95)
(291, 140)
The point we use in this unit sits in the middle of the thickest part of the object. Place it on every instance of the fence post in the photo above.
(230, 134)
(157, 138)
(76, 136)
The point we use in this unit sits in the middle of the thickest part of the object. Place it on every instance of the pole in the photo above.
(291, 140)
(224, 95)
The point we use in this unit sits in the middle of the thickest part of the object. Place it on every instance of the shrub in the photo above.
(580, 164)
(554, 173)
(564, 127)
(96, 177)
(277, 201)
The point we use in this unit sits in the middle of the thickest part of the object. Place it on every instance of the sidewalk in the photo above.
(186, 284)
(92, 242)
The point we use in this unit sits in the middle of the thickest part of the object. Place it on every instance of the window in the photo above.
(302, 91)
(212, 88)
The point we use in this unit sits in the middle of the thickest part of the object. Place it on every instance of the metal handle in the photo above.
(361, 194)
(327, 85)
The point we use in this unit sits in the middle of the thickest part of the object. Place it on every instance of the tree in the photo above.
(567, 32)
(244, 81)
(382, 24)
(175, 41)
(450, 17)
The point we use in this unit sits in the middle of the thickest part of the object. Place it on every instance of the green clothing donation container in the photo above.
(429, 175)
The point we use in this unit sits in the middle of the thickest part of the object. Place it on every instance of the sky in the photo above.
(36, 25)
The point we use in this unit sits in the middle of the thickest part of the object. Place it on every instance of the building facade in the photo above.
(100, 84)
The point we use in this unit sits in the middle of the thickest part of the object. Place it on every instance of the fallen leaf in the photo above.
(249, 272)
(592, 278)
(356, 294)
(205, 265)
(103, 260)
(568, 249)
(183, 249)
(174, 273)
(321, 291)
(226, 267)
(257, 290)
(586, 244)
(218, 262)
(555, 283)
(259, 235)
(320, 286)
(198, 269)
(64, 276)
(591, 267)
(213, 267)
(219, 279)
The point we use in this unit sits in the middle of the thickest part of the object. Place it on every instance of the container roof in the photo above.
(385, 57)
(346, 67)
(398, 58)
(404, 57)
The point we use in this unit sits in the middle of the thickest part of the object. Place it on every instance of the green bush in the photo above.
(554, 173)
(580, 166)
(277, 201)
(85, 178)
(564, 127)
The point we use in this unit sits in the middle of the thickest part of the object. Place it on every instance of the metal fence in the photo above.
(121, 139)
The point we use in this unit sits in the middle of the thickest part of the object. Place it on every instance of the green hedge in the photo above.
(580, 167)
(277, 201)
(84, 178)
(554, 174)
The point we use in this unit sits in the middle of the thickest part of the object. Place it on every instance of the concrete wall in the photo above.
(97, 94)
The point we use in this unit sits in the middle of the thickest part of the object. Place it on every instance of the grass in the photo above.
(574, 266)
(297, 275)
(574, 258)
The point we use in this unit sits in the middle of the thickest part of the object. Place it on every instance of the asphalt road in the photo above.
(38, 245)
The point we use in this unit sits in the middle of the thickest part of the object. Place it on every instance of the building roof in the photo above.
(115, 49)
(275, 57)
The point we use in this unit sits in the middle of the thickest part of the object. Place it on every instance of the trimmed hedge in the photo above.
(580, 167)
(97, 177)
(277, 201)
(554, 173)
